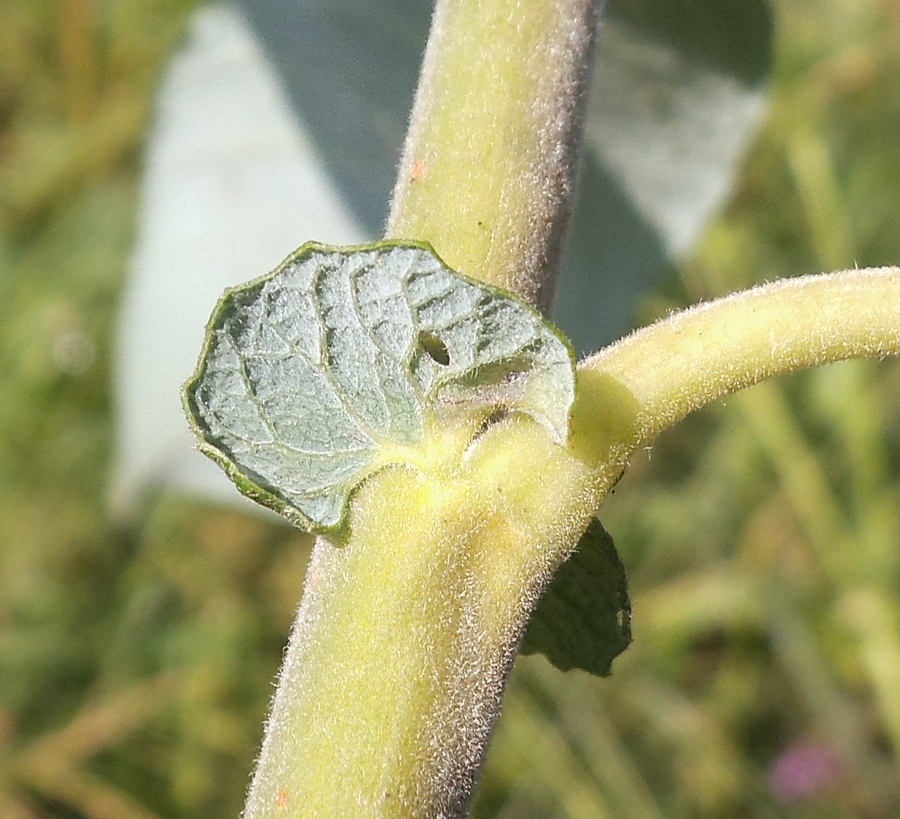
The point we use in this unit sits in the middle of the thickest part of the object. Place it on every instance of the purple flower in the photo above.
(805, 770)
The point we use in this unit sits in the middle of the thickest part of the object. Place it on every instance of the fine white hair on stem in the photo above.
(490, 163)
(719, 347)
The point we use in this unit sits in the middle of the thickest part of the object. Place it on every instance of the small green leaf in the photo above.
(584, 618)
(309, 373)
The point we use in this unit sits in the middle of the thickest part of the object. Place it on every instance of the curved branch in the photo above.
(683, 362)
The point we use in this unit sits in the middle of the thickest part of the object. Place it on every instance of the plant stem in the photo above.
(491, 157)
(656, 376)
(411, 619)
(409, 625)
(408, 628)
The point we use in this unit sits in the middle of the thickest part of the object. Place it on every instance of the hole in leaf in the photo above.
(434, 348)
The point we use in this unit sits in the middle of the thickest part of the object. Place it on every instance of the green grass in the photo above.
(762, 536)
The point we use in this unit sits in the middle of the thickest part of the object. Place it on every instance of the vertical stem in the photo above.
(490, 162)
(408, 627)
(407, 630)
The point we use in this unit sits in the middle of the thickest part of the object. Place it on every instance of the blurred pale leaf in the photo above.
(231, 186)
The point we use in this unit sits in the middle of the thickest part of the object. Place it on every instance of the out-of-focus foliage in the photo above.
(762, 537)
(135, 665)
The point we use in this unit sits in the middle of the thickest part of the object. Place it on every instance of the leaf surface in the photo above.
(312, 376)
(584, 618)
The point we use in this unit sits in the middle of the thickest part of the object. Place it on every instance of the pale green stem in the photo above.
(490, 161)
(409, 625)
(395, 669)
(665, 371)
(408, 628)
(411, 620)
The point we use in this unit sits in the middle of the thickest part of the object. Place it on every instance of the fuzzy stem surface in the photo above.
(490, 162)
(654, 377)
(410, 621)
(408, 628)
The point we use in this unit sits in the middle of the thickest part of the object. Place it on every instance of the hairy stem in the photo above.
(490, 162)
(408, 628)
(410, 623)
(654, 377)
(396, 666)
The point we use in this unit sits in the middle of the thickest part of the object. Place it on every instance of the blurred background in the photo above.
(140, 630)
